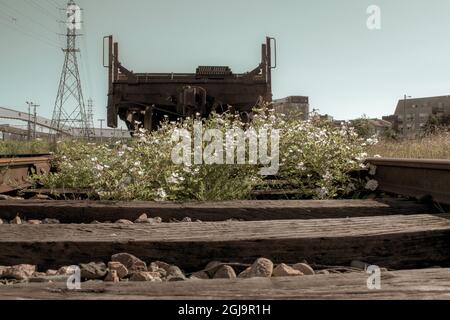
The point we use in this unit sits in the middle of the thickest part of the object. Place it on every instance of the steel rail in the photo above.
(420, 178)
(15, 172)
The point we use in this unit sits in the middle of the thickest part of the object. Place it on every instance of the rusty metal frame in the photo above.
(15, 172)
(148, 98)
(419, 178)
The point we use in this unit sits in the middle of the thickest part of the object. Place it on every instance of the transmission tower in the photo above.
(69, 113)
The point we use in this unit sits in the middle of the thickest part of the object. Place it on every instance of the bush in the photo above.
(316, 157)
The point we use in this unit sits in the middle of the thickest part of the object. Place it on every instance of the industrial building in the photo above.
(41, 127)
(411, 115)
(298, 105)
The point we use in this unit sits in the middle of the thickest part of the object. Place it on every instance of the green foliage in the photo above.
(437, 124)
(316, 157)
(13, 148)
(363, 127)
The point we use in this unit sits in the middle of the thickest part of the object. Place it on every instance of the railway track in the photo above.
(427, 180)
(15, 171)
(418, 178)
(408, 239)
(422, 179)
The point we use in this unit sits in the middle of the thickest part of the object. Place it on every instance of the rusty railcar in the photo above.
(146, 98)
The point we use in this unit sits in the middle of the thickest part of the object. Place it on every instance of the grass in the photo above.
(13, 148)
(431, 147)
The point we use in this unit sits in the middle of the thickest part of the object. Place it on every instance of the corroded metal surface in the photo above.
(147, 98)
(15, 172)
(419, 178)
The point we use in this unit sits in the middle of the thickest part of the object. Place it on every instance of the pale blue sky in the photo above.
(325, 50)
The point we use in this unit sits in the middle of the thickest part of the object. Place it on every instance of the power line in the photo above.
(15, 28)
(12, 23)
(27, 17)
(62, 18)
(85, 62)
(53, 4)
(7, 8)
(38, 6)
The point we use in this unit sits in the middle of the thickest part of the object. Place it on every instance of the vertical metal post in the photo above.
(269, 69)
(264, 56)
(101, 129)
(29, 121)
(35, 120)
(110, 63)
(404, 115)
(116, 61)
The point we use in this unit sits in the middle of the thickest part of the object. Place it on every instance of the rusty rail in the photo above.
(15, 172)
(419, 178)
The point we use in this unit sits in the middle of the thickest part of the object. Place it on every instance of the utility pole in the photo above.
(35, 120)
(405, 97)
(101, 129)
(34, 106)
(29, 121)
(90, 115)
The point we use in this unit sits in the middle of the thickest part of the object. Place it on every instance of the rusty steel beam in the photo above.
(15, 172)
(180, 95)
(422, 179)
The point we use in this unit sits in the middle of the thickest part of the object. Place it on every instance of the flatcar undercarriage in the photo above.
(145, 99)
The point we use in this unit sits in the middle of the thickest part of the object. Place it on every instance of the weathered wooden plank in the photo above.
(88, 211)
(398, 285)
(397, 242)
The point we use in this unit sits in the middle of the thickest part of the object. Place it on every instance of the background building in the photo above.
(411, 115)
(293, 105)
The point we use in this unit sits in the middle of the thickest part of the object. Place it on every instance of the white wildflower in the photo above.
(161, 194)
(175, 179)
(372, 141)
(322, 192)
(362, 156)
(372, 185)
(327, 176)
(187, 169)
